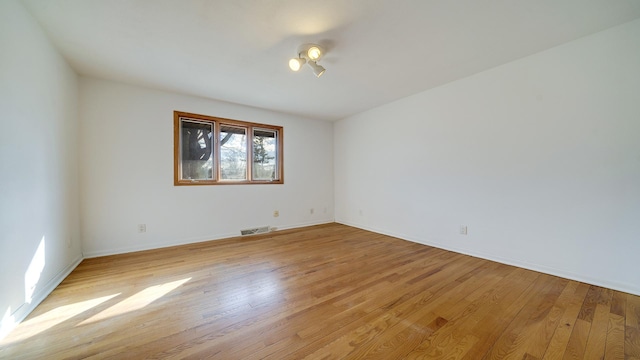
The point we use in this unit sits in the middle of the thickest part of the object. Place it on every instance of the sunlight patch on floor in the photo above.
(136, 301)
(8, 324)
(46, 321)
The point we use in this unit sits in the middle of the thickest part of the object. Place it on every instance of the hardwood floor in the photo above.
(323, 292)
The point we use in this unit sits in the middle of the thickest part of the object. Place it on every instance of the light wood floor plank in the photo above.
(632, 313)
(632, 343)
(328, 291)
(598, 334)
(578, 340)
(615, 338)
(558, 344)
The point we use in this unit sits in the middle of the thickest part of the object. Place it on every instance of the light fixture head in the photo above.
(310, 51)
(318, 70)
(314, 52)
(296, 63)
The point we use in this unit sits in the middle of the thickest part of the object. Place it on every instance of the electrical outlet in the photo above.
(463, 229)
(276, 213)
(142, 228)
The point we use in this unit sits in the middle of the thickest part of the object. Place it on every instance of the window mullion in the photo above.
(216, 154)
(250, 153)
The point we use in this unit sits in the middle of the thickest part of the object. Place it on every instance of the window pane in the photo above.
(196, 150)
(215, 151)
(233, 153)
(264, 154)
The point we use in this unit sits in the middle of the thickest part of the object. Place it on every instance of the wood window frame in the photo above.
(218, 123)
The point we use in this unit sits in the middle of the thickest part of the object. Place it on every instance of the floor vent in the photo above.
(258, 230)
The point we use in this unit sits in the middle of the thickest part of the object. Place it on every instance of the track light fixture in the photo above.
(317, 69)
(309, 54)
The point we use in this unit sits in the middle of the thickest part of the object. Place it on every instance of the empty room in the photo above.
(341, 179)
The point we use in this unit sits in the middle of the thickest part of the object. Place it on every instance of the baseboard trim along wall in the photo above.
(25, 309)
(606, 283)
(159, 245)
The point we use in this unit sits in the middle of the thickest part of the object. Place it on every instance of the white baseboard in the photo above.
(25, 309)
(606, 283)
(305, 224)
(159, 245)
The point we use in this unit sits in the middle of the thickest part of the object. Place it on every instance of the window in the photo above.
(215, 151)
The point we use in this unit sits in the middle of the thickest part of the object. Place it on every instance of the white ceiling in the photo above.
(378, 50)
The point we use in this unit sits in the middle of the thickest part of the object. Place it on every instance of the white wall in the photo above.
(540, 158)
(38, 164)
(127, 173)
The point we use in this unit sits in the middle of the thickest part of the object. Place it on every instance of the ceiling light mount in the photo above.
(309, 54)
